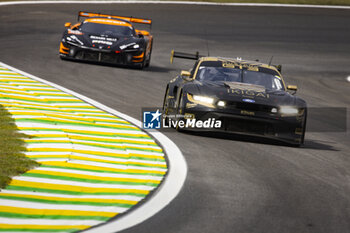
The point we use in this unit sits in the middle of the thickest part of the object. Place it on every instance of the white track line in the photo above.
(82, 184)
(100, 197)
(174, 2)
(167, 191)
(97, 175)
(30, 205)
(43, 222)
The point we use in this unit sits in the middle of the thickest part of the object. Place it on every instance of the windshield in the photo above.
(106, 29)
(224, 74)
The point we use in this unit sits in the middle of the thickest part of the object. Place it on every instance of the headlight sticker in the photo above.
(127, 45)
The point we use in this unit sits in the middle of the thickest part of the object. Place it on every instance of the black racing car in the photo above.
(107, 39)
(233, 95)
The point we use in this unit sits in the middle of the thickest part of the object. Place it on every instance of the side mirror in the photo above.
(68, 25)
(292, 88)
(185, 75)
(142, 32)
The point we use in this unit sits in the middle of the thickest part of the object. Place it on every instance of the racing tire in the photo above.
(302, 139)
(304, 129)
(149, 57)
(141, 65)
(62, 57)
(179, 110)
(166, 104)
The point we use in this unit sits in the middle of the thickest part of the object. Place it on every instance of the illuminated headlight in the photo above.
(288, 110)
(274, 110)
(221, 103)
(131, 45)
(203, 99)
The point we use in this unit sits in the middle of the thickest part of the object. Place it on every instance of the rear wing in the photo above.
(130, 19)
(191, 56)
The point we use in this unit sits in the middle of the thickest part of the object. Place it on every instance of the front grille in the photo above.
(249, 106)
(248, 126)
(98, 56)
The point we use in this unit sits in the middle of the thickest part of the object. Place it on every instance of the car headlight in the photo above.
(73, 39)
(221, 103)
(289, 110)
(128, 46)
(203, 99)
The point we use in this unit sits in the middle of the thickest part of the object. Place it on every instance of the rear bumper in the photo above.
(101, 56)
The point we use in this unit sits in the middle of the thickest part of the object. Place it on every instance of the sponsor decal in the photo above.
(249, 113)
(247, 93)
(101, 42)
(75, 32)
(252, 68)
(103, 38)
(191, 105)
(228, 64)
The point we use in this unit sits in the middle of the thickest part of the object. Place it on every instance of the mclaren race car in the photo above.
(107, 39)
(236, 96)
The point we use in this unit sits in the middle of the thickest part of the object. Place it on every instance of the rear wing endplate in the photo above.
(278, 67)
(191, 56)
(130, 19)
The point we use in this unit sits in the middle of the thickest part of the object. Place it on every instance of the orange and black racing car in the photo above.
(107, 39)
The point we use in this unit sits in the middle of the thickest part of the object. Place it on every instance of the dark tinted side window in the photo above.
(194, 68)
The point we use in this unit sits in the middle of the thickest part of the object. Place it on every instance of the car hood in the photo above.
(243, 92)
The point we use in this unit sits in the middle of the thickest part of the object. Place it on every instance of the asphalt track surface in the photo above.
(234, 184)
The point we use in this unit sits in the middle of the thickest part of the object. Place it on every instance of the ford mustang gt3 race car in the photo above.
(107, 39)
(233, 95)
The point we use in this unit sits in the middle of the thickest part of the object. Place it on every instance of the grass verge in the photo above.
(12, 160)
